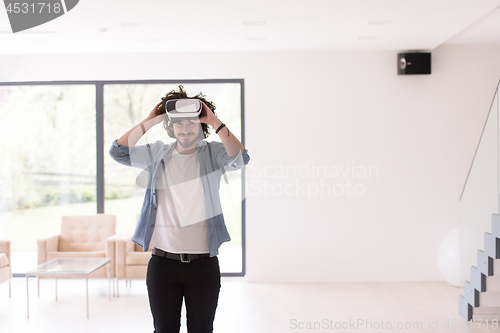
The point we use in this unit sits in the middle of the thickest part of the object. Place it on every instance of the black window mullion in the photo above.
(99, 107)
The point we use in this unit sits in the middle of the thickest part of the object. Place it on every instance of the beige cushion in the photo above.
(131, 261)
(5, 274)
(79, 254)
(137, 258)
(4, 260)
(136, 272)
(86, 233)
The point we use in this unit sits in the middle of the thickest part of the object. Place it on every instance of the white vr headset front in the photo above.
(183, 108)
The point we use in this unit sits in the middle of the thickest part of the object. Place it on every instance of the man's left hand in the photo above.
(209, 117)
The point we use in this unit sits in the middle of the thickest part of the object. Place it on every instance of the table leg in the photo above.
(87, 278)
(27, 296)
(56, 287)
(38, 279)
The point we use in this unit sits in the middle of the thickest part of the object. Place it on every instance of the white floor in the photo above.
(243, 307)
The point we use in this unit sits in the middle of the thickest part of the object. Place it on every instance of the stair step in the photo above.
(485, 263)
(471, 294)
(493, 283)
(464, 308)
(477, 279)
(495, 225)
(486, 310)
(491, 245)
(486, 313)
(496, 265)
(484, 317)
(490, 299)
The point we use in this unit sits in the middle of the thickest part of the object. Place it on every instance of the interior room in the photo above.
(370, 199)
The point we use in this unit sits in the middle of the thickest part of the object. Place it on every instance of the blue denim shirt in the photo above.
(152, 158)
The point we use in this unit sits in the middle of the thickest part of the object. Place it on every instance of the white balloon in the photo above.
(448, 257)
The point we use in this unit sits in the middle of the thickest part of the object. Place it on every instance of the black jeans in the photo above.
(169, 281)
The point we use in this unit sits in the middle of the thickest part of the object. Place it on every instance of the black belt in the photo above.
(183, 257)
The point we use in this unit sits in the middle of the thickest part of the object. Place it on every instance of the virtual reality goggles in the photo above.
(183, 108)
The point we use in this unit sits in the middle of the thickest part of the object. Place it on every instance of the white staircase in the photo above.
(481, 299)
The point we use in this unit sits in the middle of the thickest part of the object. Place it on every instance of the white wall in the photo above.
(338, 108)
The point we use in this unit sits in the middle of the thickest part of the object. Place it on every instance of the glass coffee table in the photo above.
(69, 266)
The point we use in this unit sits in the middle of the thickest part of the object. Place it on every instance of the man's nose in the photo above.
(186, 129)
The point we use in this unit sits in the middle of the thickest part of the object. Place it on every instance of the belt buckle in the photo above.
(184, 261)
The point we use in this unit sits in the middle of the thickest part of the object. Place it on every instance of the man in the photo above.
(181, 218)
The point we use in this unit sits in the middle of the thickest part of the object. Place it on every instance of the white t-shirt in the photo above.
(181, 225)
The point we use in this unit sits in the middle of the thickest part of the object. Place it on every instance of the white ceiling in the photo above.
(218, 25)
(484, 31)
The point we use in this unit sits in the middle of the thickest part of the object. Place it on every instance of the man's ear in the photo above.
(170, 129)
(202, 132)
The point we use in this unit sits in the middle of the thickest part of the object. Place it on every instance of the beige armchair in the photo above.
(5, 268)
(91, 236)
(131, 261)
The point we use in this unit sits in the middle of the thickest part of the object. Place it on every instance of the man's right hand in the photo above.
(154, 116)
(130, 138)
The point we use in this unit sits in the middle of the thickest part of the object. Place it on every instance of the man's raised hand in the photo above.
(154, 116)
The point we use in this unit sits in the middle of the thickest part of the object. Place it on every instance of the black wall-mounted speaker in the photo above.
(414, 63)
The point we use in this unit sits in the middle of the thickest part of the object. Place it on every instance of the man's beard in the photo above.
(187, 142)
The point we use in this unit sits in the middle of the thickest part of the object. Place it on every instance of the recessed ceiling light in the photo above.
(378, 22)
(130, 25)
(256, 38)
(254, 23)
(367, 37)
(148, 40)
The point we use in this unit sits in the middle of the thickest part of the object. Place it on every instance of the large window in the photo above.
(55, 138)
(47, 169)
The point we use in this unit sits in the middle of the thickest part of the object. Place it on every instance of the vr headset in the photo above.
(183, 108)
